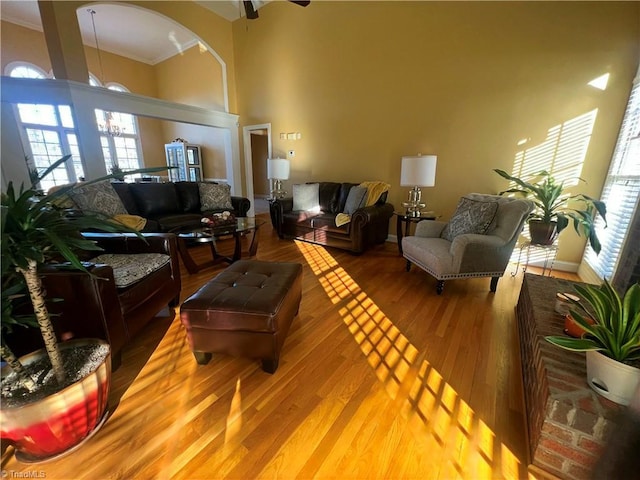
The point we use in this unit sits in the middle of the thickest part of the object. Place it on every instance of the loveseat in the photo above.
(163, 206)
(94, 306)
(315, 222)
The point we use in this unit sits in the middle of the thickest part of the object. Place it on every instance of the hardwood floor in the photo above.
(379, 378)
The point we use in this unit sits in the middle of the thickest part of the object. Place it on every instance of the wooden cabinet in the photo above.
(187, 158)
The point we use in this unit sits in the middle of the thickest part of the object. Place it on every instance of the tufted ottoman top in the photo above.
(245, 296)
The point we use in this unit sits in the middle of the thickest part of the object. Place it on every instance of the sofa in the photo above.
(315, 222)
(93, 306)
(161, 207)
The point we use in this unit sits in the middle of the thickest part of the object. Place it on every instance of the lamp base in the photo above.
(277, 194)
(413, 209)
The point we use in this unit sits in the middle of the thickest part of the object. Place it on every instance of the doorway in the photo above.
(257, 148)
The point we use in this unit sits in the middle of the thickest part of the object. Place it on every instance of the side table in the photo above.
(407, 220)
(549, 252)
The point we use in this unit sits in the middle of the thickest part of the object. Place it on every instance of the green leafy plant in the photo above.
(616, 328)
(117, 172)
(35, 231)
(552, 205)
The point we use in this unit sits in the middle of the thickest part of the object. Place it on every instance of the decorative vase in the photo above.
(613, 380)
(58, 423)
(542, 233)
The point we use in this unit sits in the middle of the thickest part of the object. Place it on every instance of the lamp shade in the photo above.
(278, 168)
(418, 171)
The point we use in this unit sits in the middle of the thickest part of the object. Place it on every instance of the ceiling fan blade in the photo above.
(251, 12)
(302, 3)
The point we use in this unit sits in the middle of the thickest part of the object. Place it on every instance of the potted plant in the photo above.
(56, 397)
(553, 211)
(612, 339)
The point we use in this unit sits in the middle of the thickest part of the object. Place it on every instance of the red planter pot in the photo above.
(56, 424)
(572, 328)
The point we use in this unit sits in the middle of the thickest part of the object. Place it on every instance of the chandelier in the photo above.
(109, 125)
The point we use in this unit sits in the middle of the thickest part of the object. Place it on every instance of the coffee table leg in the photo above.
(237, 251)
(189, 264)
(253, 248)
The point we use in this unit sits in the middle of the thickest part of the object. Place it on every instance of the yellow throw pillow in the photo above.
(132, 221)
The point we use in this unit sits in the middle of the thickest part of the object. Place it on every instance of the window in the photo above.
(50, 133)
(621, 190)
(119, 135)
(24, 70)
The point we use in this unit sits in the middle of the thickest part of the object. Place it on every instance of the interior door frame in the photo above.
(248, 159)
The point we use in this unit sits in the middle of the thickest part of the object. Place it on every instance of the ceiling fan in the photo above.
(251, 6)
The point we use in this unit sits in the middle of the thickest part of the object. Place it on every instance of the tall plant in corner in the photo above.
(553, 207)
(36, 231)
(44, 415)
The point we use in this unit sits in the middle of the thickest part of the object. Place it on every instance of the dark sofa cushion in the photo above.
(189, 196)
(154, 199)
(329, 192)
(327, 222)
(123, 191)
(167, 223)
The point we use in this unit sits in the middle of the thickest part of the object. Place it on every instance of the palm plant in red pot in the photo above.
(56, 397)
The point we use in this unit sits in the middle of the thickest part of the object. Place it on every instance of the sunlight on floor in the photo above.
(425, 399)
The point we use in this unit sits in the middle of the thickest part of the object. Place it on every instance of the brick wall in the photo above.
(568, 423)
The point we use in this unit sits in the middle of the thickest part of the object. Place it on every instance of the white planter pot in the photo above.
(613, 380)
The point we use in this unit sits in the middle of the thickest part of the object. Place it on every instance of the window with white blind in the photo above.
(620, 192)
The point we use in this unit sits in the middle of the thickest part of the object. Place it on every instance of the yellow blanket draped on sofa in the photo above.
(374, 190)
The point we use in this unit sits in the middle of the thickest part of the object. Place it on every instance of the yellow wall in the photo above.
(23, 44)
(192, 78)
(368, 82)
(215, 32)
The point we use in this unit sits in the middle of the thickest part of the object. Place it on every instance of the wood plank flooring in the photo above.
(379, 378)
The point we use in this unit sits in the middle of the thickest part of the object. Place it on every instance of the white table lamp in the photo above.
(417, 171)
(277, 170)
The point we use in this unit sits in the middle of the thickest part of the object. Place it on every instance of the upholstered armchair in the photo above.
(476, 242)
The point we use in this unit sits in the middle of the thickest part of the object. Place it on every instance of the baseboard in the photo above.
(588, 275)
(571, 267)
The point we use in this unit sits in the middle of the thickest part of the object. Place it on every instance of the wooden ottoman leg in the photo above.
(202, 357)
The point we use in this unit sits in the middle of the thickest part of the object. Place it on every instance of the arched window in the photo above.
(24, 70)
(49, 131)
(119, 137)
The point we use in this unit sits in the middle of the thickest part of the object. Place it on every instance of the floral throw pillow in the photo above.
(98, 197)
(471, 216)
(215, 196)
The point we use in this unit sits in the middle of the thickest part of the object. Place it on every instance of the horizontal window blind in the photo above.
(621, 191)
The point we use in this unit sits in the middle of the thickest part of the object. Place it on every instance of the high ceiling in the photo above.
(124, 29)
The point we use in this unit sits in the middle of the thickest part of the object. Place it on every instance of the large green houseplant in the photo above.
(40, 412)
(555, 208)
(612, 339)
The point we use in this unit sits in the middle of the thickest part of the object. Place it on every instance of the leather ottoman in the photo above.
(245, 311)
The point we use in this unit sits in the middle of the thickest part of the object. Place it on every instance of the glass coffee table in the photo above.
(192, 236)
